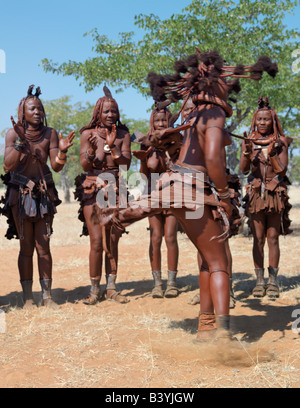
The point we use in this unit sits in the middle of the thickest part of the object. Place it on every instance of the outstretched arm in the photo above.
(14, 144)
(246, 150)
(142, 155)
(58, 149)
(13, 153)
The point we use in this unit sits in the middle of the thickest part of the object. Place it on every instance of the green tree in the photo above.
(241, 30)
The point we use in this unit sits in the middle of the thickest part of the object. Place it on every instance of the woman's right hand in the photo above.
(18, 128)
(111, 136)
(227, 206)
(93, 139)
(65, 143)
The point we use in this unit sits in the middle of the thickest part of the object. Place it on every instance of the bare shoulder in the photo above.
(52, 136)
(214, 115)
(85, 134)
(10, 136)
(51, 132)
(210, 116)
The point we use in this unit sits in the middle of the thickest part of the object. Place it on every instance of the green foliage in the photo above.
(294, 169)
(241, 30)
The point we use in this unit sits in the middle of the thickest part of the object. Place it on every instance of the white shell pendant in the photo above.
(106, 148)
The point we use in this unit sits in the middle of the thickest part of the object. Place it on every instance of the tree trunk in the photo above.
(65, 186)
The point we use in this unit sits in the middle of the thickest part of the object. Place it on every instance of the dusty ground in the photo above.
(147, 342)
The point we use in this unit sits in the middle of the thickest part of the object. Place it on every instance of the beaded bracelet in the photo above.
(89, 158)
(19, 144)
(61, 157)
(224, 196)
(222, 190)
(60, 161)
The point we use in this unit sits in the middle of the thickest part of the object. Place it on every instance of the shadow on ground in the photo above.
(136, 289)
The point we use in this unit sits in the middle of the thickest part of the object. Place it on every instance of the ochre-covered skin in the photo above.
(28, 146)
(105, 145)
(202, 150)
(266, 201)
(234, 190)
(164, 224)
(202, 78)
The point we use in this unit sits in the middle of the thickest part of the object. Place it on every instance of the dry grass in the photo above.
(89, 348)
(145, 343)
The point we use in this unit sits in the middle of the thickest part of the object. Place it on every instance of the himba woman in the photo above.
(202, 77)
(105, 145)
(155, 160)
(265, 154)
(234, 187)
(31, 198)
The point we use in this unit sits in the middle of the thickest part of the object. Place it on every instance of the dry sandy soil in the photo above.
(147, 342)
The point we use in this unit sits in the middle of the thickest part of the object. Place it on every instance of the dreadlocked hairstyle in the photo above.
(158, 108)
(96, 118)
(21, 108)
(264, 105)
(202, 76)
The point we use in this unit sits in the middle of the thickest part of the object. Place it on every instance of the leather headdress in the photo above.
(202, 76)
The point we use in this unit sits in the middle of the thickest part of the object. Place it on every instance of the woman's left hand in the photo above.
(18, 128)
(111, 136)
(65, 144)
(142, 154)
